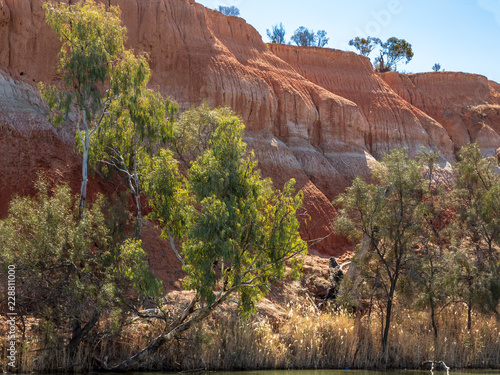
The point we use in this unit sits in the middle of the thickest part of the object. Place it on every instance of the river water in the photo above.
(343, 372)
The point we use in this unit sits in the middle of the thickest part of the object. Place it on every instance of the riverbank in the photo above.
(294, 334)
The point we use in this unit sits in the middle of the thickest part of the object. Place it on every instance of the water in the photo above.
(340, 372)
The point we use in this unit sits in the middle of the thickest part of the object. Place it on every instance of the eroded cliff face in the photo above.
(199, 54)
(467, 105)
(320, 116)
(393, 122)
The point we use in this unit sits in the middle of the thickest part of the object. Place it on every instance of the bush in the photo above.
(229, 11)
(305, 37)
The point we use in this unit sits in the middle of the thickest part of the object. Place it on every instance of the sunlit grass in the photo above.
(300, 337)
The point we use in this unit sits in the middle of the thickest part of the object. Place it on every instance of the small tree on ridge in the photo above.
(277, 34)
(229, 10)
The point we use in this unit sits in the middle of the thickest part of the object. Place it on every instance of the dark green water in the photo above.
(340, 372)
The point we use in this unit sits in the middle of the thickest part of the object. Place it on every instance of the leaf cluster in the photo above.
(92, 39)
(236, 229)
(306, 37)
(69, 269)
(277, 34)
(391, 52)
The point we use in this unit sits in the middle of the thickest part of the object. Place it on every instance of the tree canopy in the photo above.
(436, 67)
(365, 45)
(391, 52)
(306, 37)
(277, 34)
(139, 121)
(236, 230)
(92, 41)
(229, 10)
(70, 281)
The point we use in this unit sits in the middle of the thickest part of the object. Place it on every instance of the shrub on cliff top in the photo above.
(229, 10)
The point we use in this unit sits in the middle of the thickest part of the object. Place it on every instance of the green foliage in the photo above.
(321, 38)
(165, 188)
(389, 217)
(194, 130)
(427, 244)
(305, 37)
(386, 210)
(392, 51)
(69, 271)
(277, 34)
(92, 39)
(42, 230)
(237, 231)
(476, 199)
(229, 10)
(92, 42)
(138, 122)
(139, 116)
(365, 45)
(133, 265)
(436, 67)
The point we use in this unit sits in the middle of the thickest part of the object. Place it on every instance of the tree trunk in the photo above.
(83, 190)
(433, 319)
(78, 335)
(469, 316)
(388, 315)
(85, 161)
(137, 196)
(172, 332)
(134, 184)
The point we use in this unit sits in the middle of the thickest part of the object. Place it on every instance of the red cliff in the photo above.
(467, 105)
(320, 116)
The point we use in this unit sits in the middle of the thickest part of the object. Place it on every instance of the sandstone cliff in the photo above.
(393, 122)
(467, 105)
(320, 116)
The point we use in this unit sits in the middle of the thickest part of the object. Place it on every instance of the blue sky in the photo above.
(461, 35)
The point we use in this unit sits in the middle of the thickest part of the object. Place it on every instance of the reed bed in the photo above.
(302, 337)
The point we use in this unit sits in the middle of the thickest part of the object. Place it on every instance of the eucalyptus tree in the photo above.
(229, 10)
(92, 41)
(67, 282)
(138, 123)
(389, 217)
(476, 200)
(428, 272)
(436, 67)
(304, 37)
(391, 52)
(277, 34)
(236, 230)
(321, 38)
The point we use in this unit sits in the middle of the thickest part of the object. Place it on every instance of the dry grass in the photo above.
(300, 337)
